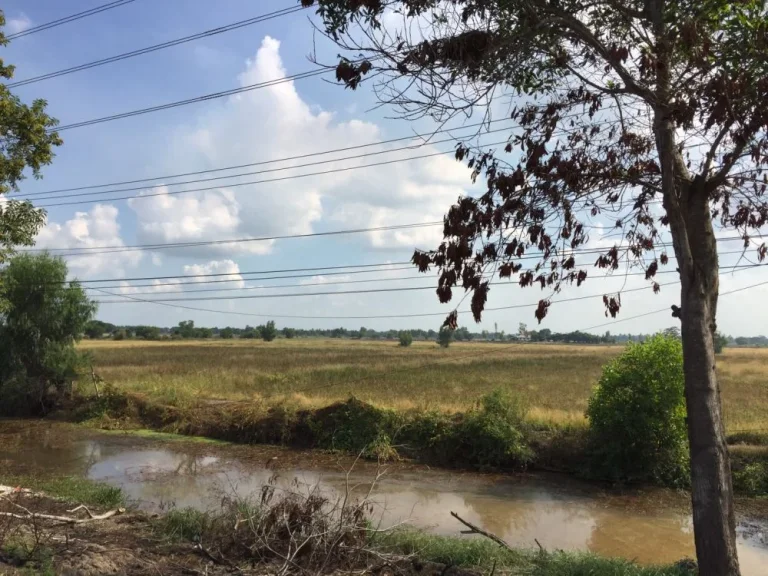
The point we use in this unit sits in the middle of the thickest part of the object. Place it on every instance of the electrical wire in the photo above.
(156, 47)
(118, 249)
(204, 98)
(425, 135)
(68, 19)
(264, 171)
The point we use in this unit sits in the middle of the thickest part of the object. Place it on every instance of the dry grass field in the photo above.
(555, 380)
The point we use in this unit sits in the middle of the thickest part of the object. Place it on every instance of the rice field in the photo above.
(554, 379)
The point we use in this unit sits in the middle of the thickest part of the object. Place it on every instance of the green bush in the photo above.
(406, 339)
(637, 415)
(752, 479)
(289, 333)
(226, 333)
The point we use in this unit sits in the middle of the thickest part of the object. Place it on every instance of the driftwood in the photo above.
(476, 530)
(29, 515)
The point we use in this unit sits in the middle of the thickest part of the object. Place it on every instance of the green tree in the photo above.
(624, 108)
(721, 342)
(44, 317)
(226, 333)
(637, 415)
(26, 145)
(185, 329)
(289, 332)
(147, 332)
(250, 333)
(268, 331)
(405, 337)
(445, 336)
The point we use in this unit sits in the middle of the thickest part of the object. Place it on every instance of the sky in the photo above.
(284, 120)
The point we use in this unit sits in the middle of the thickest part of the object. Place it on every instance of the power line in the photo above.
(239, 184)
(419, 315)
(222, 274)
(192, 281)
(426, 135)
(68, 19)
(263, 162)
(161, 46)
(403, 289)
(264, 171)
(205, 97)
(268, 287)
(118, 249)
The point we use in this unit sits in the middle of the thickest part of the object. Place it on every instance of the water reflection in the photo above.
(649, 526)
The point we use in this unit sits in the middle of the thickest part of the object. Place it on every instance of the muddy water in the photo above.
(648, 526)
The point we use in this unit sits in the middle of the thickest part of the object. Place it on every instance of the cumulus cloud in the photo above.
(274, 123)
(17, 24)
(225, 269)
(97, 227)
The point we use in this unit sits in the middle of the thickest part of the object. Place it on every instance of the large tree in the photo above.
(648, 114)
(26, 145)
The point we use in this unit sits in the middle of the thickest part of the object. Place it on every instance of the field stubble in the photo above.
(553, 380)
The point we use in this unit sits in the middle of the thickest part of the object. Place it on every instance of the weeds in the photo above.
(70, 489)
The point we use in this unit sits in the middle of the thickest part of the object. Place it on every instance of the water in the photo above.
(651, 525)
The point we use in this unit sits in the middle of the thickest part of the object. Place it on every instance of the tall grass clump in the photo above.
(637, 415)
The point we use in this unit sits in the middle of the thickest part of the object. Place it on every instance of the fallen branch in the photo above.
(475, 530)
(63, 519)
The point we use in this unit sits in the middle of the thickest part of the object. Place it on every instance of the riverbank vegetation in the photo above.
(499, 431)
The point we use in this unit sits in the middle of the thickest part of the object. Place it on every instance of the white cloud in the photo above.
(227, 269)
(18, 24)
(98, 227)
(274, 123)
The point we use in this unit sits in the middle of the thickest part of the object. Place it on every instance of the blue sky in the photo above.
(292, 118)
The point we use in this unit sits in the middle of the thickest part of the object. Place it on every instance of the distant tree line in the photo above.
(187, 330)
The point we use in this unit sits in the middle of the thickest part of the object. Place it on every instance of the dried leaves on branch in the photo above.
(589, 120)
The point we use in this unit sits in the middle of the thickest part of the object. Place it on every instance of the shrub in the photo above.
(251, 333)
(406, 339)
(289, 333)
(445, 336)
(226, 333)
(637, 415)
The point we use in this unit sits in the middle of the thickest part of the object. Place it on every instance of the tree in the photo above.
(647, 116)
(268, 331)
(185, 329)
(721, 342)
(26, 144)
(250, 333)
(289, 333)
(147, 332)
(227, 333)
(406, 338)
(522, 331)
(44, 317)
(672, 332)
(445, 336)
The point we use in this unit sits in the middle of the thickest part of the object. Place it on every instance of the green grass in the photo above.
(70, 488)
(182, 524)
(554, 380)
(154, 435)
(482, 554)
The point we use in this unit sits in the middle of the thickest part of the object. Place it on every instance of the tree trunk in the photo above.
(714, 524)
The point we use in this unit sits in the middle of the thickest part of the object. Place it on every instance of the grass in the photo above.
(554, 380)
(70, 488)
(482, 555)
